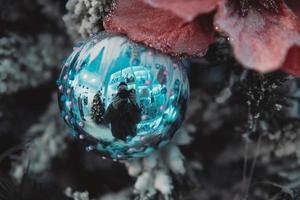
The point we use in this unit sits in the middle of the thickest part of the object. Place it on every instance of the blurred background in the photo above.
(240, 139)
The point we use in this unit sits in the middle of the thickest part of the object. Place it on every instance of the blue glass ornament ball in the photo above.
(122, 99)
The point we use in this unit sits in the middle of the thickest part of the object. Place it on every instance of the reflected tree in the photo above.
(98, 108)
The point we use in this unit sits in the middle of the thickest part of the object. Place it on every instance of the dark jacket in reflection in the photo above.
(123, 120)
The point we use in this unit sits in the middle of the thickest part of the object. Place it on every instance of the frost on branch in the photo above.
(124, 194)
(46, 140)
(14, 12)
(76, 195)
(85, 17)
(154, 172)
(27, 61)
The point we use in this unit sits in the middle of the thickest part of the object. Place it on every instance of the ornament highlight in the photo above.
(122, 99)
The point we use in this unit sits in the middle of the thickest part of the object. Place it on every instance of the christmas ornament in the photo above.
(122, 99)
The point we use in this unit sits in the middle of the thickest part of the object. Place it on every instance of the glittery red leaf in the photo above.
(292, 62)
(187, 10)
(159, 28)
(261, 38)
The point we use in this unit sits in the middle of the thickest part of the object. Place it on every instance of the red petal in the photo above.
(188, 10)
(262, 38)
(292, 62)
(160, 29)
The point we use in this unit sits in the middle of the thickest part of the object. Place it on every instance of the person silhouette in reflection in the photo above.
(123, 113)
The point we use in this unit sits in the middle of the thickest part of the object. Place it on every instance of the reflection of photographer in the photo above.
(123, 113)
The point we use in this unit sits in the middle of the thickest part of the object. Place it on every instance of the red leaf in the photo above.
(292, 62)
(261, 38)
(187, 10)
(160, 29)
